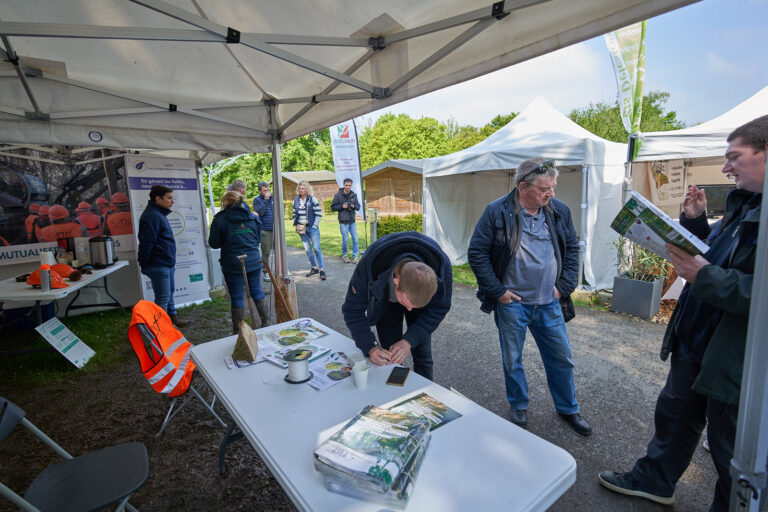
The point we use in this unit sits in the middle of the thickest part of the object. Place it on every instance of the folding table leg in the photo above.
(229, 438)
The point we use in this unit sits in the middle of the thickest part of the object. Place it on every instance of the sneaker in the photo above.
(354, 260)
(625, 483)
(266, 277)
(322, 275)
(519, 417)
(313, 272)
(344, 257)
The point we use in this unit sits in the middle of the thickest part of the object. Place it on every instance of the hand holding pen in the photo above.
(379, 357)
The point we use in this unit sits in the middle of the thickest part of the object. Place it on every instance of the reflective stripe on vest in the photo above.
(179, 374)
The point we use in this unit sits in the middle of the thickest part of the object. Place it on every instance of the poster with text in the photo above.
(346, 159)
(185, 219)
(667, 181)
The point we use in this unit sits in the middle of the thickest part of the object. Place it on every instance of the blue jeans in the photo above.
(548, 329)
(163, 286)
(236, 287)
(311, 240)
(346, 230)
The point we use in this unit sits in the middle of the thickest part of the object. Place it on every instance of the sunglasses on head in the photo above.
(539, 169)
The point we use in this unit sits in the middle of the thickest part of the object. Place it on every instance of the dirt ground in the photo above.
(99, 409)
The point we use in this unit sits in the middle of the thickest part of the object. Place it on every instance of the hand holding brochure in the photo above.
(643, 223)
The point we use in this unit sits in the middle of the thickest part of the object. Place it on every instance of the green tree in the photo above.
(399, 136)
(250, 167)
(605, 120)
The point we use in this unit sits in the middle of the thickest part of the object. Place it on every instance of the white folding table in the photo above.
(12, 291)
(477, 462)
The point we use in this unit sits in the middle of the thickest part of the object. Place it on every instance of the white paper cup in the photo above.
(47, 258)
(360, 375)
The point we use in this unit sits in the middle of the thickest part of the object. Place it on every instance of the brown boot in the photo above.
(238, 315)
(178, 322)
(264, 313)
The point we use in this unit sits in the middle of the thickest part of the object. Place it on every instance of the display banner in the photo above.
(667, 181)
(185, 218)
(627, 48)
(346, 159)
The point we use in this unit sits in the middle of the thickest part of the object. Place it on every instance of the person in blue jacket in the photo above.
(400, 276)
(236, 231)
(157, 249)
(264, 207)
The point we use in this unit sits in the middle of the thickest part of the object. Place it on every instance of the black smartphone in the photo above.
(398, 376)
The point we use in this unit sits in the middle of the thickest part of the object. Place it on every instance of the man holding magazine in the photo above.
(707, 333)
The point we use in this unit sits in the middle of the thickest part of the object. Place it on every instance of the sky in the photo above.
(710, 56)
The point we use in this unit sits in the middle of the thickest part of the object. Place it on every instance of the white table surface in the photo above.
(12, 291)
(477, 462)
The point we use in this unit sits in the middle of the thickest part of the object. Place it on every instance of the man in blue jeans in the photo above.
(525, 255)
(345, 202)
(157, 249)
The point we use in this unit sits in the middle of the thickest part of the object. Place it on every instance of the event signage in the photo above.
(191, 277)
(667, 182)
(346, 159)
(27, 253)
(627, 48)
(65, 342)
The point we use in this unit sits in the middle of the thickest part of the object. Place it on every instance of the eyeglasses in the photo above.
(539, 169)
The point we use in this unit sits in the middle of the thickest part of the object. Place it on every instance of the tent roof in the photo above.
(409, 165)
(309, 176)
(539, 130)
(703, 140)
(208, 75)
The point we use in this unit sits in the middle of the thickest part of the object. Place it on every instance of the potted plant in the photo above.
(637, 289)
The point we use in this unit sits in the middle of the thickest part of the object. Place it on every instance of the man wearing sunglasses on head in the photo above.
(525, 255)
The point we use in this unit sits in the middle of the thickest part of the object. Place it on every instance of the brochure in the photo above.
(429, 408)
(330, 370)
(276, 356)
(645, 224)
(300, 332)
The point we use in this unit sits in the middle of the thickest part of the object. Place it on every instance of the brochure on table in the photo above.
(643, 223)
(65, 341)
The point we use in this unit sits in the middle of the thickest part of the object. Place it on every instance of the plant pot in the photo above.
(639, 298)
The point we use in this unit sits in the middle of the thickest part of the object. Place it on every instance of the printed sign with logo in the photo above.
(346, 159)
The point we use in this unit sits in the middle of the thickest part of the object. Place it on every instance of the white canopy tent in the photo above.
(458, 187)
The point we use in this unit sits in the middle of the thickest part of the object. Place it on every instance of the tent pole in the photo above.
(281, 269)
(583, 230)
(750, 452)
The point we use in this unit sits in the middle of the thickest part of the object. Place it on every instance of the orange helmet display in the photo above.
(44, 209)
(56, 280)
(58, 212)
(34, 207)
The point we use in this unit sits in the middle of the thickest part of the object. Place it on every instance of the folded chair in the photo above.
(163, 353)
(92, 481)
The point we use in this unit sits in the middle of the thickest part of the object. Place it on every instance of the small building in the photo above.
(394, 187)
(323, 184)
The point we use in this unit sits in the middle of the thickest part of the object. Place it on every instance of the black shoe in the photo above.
(312, 272)
(322, 275)
(519, 417)
(625, 483)
(577, 423)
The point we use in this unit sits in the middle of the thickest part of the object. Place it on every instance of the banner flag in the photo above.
(346, 159)
(627, 48)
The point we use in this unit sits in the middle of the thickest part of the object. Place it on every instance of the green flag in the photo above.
(627, 47)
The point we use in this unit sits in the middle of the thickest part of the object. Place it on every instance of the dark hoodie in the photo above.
(236, 231)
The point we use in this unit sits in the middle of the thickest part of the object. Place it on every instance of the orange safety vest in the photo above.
(162, 350)
(67, 229)
(29, 224)
(118, 223)
(91, 222)
(3, 241)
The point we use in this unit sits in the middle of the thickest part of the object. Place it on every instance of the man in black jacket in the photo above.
(345, 202)
(402, 275)
(525, 255)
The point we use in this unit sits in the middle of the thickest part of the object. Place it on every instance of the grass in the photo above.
(330, 238)
(107, 334)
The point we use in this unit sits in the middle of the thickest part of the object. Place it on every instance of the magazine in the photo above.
(427, 407)
(645, 224)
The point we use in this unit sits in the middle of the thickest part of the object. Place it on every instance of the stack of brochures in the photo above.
(375, 456)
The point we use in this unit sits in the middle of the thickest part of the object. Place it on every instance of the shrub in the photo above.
(327, 206)
(395, 224)
(288, 207)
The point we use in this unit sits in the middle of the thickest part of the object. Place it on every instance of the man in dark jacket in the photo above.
(345, 202)
(157, 249)
(525, 255)
(707, 332)
(402, 275)
(264, 207)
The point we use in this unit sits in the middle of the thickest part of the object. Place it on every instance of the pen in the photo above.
(378, 346)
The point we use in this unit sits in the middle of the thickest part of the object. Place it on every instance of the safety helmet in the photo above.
(34, 207)
(102, 200)
(83, 207)
(56, 280)
(58, 212)
(44, 209)
(66, 271)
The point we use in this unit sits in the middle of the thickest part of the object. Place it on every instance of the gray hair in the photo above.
(238, 185)
(524, 171)
(306, 185)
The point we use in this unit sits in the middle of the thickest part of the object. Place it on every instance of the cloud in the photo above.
(567, 78)
(725, 68)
